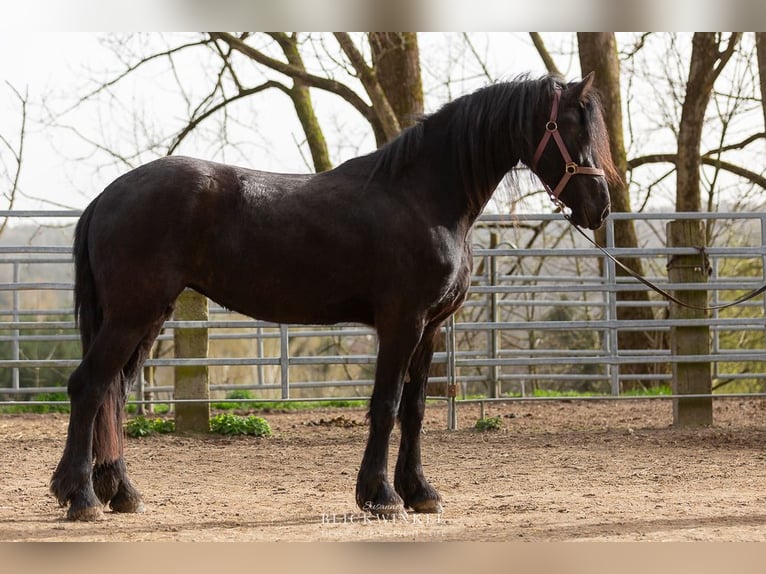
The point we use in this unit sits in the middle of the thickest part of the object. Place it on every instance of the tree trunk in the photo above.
(707, 61)
(699, 87)
(760, 46)
(598, 53)
(396, 60)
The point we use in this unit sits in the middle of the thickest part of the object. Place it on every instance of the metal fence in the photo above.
(544, 313)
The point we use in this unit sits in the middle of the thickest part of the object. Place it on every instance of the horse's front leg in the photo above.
(373, 490)
(409, 479)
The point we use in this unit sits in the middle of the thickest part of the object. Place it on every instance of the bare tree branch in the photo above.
(751, 176)
(739, 145)
(132, 68)
(198, 119)
(319, 82)
(17, 151)
(475, 53)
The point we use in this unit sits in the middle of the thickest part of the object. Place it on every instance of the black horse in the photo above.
(383, 239)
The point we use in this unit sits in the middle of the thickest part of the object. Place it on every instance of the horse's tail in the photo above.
(87, 309)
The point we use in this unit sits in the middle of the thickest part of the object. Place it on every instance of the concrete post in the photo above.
(191, 382)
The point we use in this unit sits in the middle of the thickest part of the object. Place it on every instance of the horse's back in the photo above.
(268, 245)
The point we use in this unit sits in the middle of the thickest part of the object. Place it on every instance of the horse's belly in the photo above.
(300, 306)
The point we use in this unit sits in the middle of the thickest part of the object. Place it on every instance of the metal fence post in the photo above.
(284, 360)
(192, 382)
(494, 339)
(451, 375)
(611, 337)
(140, 390)
(16, 333)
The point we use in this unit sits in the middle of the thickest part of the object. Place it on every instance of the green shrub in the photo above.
(141, 427)
(488, 424)
(228, 424)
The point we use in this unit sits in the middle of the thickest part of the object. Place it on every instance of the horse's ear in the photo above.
(581, 89)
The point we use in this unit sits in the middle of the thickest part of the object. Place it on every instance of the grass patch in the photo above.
(230, 425)
(308, 405)
(232, 397)
(40, 409)
(488, 424)
(234, 401)
(564, 394)
(553, 393)
(650, 392)
(157, 409)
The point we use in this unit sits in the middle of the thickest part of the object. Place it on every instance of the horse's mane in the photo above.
(396, 155)
(504, 108)
(493, 105)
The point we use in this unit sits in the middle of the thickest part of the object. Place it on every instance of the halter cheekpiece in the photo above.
(570, 167)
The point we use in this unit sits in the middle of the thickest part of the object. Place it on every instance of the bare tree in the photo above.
(710, 53)
(14, 151)
(727, 131)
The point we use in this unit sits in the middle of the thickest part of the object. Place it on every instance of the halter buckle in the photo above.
(571, 168)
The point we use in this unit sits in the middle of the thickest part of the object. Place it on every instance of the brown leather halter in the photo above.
(570, 168)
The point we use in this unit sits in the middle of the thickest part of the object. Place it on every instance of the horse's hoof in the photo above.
(127, 505)
(428, 506)
(84, 514)
(127, 499)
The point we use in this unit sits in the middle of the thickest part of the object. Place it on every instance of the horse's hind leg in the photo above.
(89, 387)
(409, 480)
(110, 479)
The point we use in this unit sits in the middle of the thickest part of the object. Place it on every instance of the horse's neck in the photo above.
(477, 167)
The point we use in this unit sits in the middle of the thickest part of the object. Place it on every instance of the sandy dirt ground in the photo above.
(556, 471)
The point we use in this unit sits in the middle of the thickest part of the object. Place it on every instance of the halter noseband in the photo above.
(570, 168)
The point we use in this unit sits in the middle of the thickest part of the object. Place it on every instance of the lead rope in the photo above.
(652, 286)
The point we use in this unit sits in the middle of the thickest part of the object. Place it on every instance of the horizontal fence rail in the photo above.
(546, 312)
